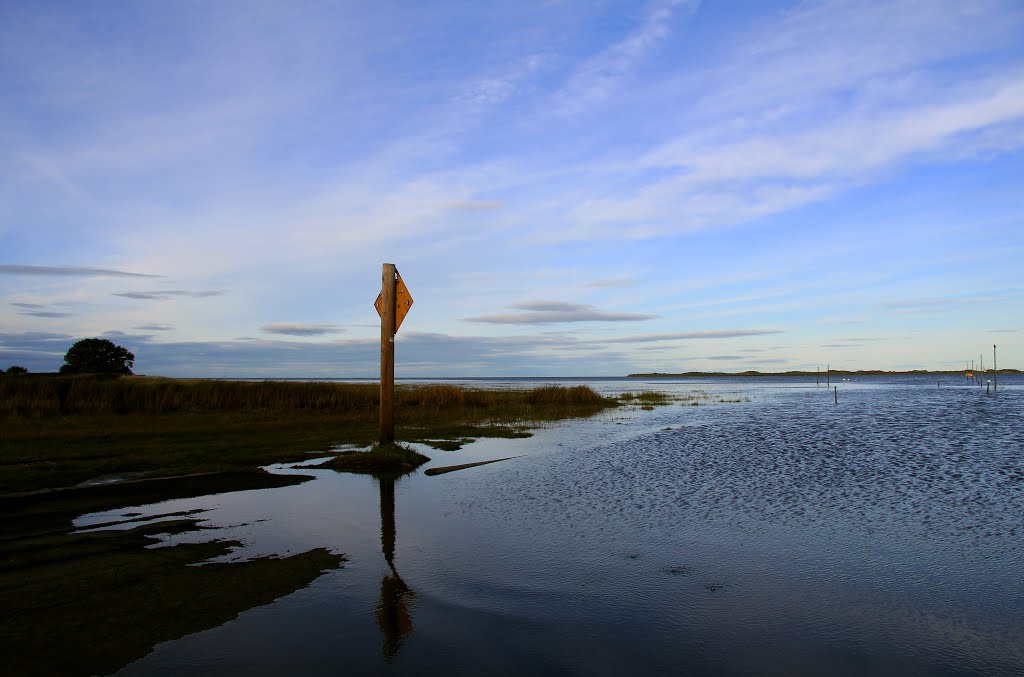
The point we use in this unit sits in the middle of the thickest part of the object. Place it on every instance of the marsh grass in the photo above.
(64, 395)
(648, 400)
(645, 399)
(61, 431)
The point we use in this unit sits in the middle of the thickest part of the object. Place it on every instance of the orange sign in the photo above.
(403, 301)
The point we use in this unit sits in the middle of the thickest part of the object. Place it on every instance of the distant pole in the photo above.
(387, 353)
(836, 392)
(817, 377)
(828, 375)
(995, 370)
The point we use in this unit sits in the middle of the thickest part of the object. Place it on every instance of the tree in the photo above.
(97, 356)
(15, 369)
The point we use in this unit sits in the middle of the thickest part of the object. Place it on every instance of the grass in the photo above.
(646, 398)
(35, 396)
(61, 431)
(649, 399)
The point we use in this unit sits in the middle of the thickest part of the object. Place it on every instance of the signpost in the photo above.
(392, 305)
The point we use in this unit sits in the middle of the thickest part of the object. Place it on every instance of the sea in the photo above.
(752, 526)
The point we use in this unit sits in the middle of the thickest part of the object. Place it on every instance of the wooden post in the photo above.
(387, 354)
(995, 371)
(817, 377)
(837, 393)
(828, 375)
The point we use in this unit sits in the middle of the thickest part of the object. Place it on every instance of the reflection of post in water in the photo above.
(387, 519)
(394, 608)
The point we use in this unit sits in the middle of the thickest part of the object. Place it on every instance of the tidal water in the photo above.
(780, 534)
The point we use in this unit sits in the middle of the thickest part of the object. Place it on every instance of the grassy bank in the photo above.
(33, 396)
(62, 431)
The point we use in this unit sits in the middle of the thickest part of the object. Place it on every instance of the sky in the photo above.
(567, 188)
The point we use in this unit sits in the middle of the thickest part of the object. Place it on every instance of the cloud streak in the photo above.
(45, 313)
(551, 312)
(598, 77)
(694, 335)
(66, 271)
(296, 329)
(163, 295)
(614, 282)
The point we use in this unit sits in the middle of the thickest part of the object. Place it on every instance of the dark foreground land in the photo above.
(88, 603)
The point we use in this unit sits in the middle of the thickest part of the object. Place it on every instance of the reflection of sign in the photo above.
(403, 301)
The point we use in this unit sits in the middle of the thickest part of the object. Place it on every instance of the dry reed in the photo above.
(51, 396)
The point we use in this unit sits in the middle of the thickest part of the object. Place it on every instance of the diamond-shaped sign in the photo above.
(403, 301)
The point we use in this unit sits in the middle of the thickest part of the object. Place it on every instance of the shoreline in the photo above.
(832, 372)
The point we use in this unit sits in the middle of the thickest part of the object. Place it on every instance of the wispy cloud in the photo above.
(38, 310)
(154, 327)
(1002, 331)
(547, 312)
(790, 118)
(597, 77)
(295, 329)
(66, 271)
(474, 205)
(940, 303)
(167, 294)
(687, 335)
(615, 282)
(551, 305)
(45, 313)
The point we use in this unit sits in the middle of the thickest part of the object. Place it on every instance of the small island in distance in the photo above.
(832, 372)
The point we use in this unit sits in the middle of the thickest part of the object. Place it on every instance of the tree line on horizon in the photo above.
(91, 356)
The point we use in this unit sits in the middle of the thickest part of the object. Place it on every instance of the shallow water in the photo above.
(781, 534)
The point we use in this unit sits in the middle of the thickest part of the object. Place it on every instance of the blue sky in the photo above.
(568, 188)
